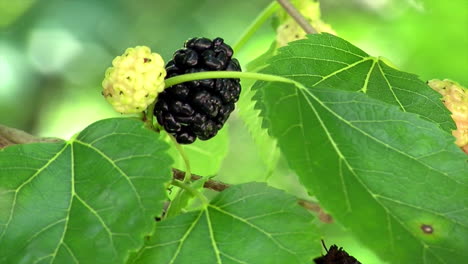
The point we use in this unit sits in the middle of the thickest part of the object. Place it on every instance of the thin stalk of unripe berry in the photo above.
(297, 16)
(230, 74)
(148, 116)
(142, 115)
(191, 190)
(255, 25)
(188, 172)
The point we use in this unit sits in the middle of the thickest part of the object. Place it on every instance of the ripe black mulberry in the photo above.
(198, 109)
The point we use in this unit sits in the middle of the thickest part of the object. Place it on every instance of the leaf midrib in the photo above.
(67, 219)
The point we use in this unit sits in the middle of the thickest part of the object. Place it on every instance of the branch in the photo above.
(297, 16)
(210, 184)
(12, 136)
(315, 207)
(220, 186)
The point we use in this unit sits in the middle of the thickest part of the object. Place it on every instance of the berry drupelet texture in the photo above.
(198, 109)
(134, 80)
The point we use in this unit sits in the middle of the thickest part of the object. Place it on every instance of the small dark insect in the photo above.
(335, 255)
(169, 189)
(427, 229)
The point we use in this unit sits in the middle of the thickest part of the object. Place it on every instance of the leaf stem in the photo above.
(148, 118)
(180, 149)
(191, 190)
(255, 25)
(230, 74)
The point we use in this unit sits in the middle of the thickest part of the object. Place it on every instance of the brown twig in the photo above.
(12, 136)
(220, 186)
(315, 207)
(210, 184)
(297, 16)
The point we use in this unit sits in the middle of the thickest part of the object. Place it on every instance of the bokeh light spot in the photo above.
(50, 50)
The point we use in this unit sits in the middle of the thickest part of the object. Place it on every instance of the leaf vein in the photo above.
(30, 179)
(184, 237)
(75, 260)
(325, 46)
(212, 238)
(100, 219)
(125, 176)
(272, 238)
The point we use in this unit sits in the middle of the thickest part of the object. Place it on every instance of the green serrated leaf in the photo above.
(205, 157)
(381, 172)
(324, 60)
(88, 200)
(266, 145)
(262, 61)
(247, 223)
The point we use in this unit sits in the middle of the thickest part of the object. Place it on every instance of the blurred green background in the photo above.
(53, 55)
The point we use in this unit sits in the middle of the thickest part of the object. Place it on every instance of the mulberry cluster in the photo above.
(198, 109)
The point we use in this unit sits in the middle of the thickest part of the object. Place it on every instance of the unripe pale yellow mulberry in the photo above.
(134, 80)
(455, 98)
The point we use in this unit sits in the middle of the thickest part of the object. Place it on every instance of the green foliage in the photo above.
(426, 37)
(370, 143)
(205, 156)
(183, 199)
(10, 11)
(381, 171)
(71, 201)
(337, 64)
(240, 225)
(266, 145)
